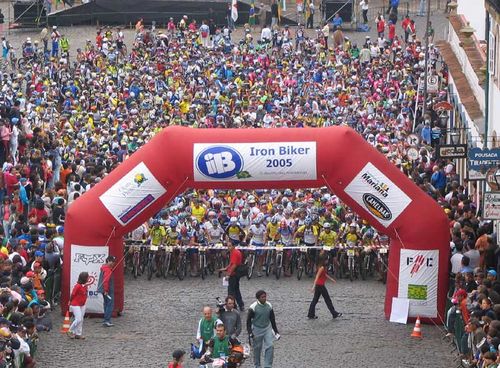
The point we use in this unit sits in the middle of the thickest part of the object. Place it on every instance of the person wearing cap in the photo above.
(106, 287)
(178, 359)
(77, 302)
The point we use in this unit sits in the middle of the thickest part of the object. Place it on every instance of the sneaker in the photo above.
(337, 315)
(108, 324)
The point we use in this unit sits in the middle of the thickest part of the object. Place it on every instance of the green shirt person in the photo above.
(206, 326)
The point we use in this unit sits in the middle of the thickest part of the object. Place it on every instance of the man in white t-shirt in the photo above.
(456, 259)
(266, 34)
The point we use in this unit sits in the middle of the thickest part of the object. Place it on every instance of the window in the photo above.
(492, 46)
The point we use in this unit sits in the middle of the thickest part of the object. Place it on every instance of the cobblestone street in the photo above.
(162, 315)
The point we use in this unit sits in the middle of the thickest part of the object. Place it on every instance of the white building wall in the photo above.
(494, 83)
(475, 13)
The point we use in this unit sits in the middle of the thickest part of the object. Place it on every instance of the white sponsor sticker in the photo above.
(372, 190)
(132, 194)
(254, 161)
(418, 281)
(89, 259)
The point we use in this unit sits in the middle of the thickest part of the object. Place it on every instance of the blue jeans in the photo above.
(108, 307)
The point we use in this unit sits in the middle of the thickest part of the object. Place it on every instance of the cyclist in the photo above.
(256, 236)
(272, 228)
(285, 233)
(309, 234)
(215, 233)
(197, 210)
(244, 219)
(157, 234)
(28, 50)
(328, 238)
(234, 231)
(186, 240)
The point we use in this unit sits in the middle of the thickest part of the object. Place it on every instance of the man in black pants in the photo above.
(235, 260)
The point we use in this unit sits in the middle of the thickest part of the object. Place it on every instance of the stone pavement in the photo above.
(162, 315)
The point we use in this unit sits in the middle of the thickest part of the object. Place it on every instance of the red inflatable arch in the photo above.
(179, 158)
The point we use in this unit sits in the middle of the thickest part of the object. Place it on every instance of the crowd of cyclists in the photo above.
(69, 117)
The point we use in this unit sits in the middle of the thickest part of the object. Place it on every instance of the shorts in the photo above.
(258, 245)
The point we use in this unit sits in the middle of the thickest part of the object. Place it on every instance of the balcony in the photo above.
(494, 4)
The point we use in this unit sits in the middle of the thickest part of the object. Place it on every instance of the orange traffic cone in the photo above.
(66, 323)
(417, 332)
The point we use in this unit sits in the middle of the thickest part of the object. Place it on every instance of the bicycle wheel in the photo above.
(181, 268)
(251, 265)
(279, 265)
(166, 264)
(350, 262)
(342, 269)
(203, 265)
(150, 267)
(135, 265)
(300, 266)
(364, 267)
(269, 262)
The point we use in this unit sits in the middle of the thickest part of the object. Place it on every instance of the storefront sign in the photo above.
(452, 151)
(481, 160)
(491, 206)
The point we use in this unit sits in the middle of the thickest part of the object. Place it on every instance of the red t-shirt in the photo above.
(79, 295)
(235, 259)
(175, 365)
(322, 277)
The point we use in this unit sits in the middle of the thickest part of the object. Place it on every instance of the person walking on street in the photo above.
(274, 14)
(230, 317)
(364, 9)
(235, 260)
(77, 302)
(262, 330)
(319, 289)
(106, 287)
(310, 18)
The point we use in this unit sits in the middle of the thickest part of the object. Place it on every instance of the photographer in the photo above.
(230, 317)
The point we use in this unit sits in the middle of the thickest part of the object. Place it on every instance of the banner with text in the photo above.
(89, 259)
(269, 161)
(372, 190)
(418, 281)
(132, 194)
(491, 206)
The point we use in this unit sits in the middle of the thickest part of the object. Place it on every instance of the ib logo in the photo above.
(219, 162)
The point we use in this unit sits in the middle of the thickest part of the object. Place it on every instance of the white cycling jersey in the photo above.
(257, 233)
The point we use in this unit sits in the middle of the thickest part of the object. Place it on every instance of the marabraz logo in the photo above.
(89, 258)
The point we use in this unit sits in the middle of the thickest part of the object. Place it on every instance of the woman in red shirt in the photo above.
(319, 289)
(77, 302)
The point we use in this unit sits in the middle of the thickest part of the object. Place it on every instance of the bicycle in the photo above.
(269, 258)
(167, 260)
(366, 263)
(151, 263)
(250, 261)
(352, 262)
(203, 261)
(278, 261)
(182, 263)
(382, 263)
(301, 261)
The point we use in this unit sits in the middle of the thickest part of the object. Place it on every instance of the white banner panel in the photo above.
(89, 259)
(132, 194)
(372, 190)
(254, 161)
(418, 281)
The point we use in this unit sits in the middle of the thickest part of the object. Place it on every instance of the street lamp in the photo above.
(454, 136)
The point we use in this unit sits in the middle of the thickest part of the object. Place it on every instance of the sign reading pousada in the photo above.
(267, 161)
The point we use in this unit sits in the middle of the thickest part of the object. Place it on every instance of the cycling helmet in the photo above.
(215, 222)
(274, 220)
(217, 205)
(156, 222)
(308, 221)
(256, 221)
(211, 213)
(233, 220)
(327, 225)
(195, 223)
(173, 223)
(245, 211)
(288, 193)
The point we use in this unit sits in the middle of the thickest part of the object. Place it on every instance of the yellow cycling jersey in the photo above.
(272, 230)
(234, 232)
(172, 237)
(351, 238)
(328, 239)
(310, 233)
(198, 212)
(157, 235)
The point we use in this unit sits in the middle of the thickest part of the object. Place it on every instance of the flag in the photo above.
(234, 10)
